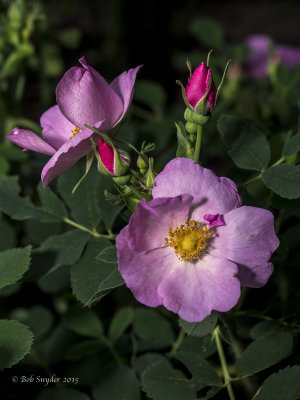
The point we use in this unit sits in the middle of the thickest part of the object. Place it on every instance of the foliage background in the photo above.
(41, 39)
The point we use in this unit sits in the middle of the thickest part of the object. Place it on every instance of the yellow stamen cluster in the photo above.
(74, 132)
(189, 240)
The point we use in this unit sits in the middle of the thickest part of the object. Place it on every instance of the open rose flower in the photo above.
(193, 246)
(256, 65)
(83, 97)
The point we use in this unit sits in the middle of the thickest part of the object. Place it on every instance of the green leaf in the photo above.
(118, 383)
(51, 203)
(162, 382)
(145, 360)
(271, 349)
(92, 279)
(56, 281)
(201, 369)
(207, 31)
(83, 322)
(120, 322)
(65, 249)
(61, 394)
(108, 255)
(39, 320)
(202, 328)
(84, 349)
(291, 146)
(7, 235)
(13, 264)
(149, 325)
(263, 328)
(88, 205)
(283, 385)
(20, 208)
(37, 232)
(249, 147)
(283, 179)
(15, 342)
(150, 93)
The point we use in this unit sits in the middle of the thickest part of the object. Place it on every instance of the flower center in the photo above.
(189, 240)
(74, 132)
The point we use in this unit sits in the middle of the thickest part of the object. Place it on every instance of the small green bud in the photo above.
(150, 175)
(142, 163)
(122, 180)
(191, 127)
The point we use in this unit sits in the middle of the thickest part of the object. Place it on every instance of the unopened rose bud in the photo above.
(201, 91)
(112, 161)
(142, 164)
(150, 175)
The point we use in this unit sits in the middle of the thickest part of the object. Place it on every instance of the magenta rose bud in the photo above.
(112, 161)
(201, 91)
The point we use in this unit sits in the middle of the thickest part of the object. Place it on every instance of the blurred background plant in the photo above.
(39, 40)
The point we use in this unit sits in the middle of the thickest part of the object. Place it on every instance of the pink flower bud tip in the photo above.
(114, 160)
(198, 85)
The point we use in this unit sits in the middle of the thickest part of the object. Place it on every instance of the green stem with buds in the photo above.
(198, 143)
(227, 378)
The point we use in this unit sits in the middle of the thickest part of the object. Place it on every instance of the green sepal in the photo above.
(191, 127)
(89, 162)
(192, 116)
(184, 148)
(122, 180)
(150, 175)
(186, 102)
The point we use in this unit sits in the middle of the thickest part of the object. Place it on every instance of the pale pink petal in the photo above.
(158, 216)
(143, 272)
(123, 85)
(193, 290)
(212, 195)
(30, 141)
(248, 239)
(256, 276)
(67, 155)
(56, 128)
(84, 97)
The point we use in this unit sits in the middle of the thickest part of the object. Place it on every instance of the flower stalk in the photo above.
(227, 378)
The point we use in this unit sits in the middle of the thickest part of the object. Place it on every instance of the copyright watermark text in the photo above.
(45, 381)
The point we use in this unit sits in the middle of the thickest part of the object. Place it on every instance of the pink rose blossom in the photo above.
(83, 97)
(169, 255)
(256, 65)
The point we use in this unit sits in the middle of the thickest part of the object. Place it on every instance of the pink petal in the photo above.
(289, 55)
(56, 128)
(213, 195)
(257, 62)
(143, 272)
(30, 141)
(84, 97)
(256, 276)
(249, 239)
(107, 155)
(67, 155)
(149, 225)
(198, 85)
(123, 85)
(194, 290)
